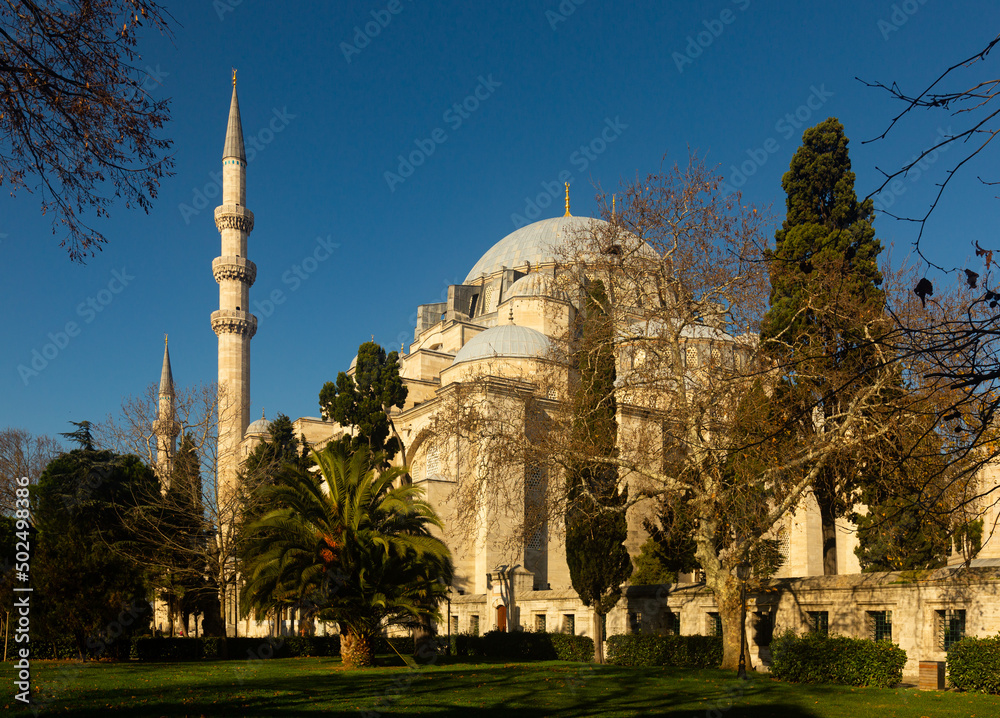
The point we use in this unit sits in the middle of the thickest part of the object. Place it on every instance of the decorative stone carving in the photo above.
(233, 216)
(232, 321)
(238, 268)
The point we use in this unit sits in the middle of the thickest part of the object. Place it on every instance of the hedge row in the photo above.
(974, 664)
(148, 648)
(524, 646)
(638, 649)
(817, 658)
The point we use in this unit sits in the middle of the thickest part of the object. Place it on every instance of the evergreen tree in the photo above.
(596, 526)
(365, 400)
(87, 570)
(825, 285)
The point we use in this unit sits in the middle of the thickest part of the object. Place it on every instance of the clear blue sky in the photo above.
(329, 124)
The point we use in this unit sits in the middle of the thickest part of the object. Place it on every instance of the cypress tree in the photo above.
(825, 287)
(596, 526)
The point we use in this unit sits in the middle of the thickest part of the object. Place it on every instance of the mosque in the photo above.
(500, 321)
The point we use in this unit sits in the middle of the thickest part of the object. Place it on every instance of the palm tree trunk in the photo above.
(357, 650)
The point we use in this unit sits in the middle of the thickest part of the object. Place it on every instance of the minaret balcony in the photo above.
(239, 268)
(234, 321)
(233, 216)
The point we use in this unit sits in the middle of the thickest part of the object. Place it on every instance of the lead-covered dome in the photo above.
(538, 243)
(507, 341)
(536, 284)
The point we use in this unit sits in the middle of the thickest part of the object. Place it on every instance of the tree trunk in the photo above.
(356, 650)
(829, 543)
(727, 595)
(598, 624)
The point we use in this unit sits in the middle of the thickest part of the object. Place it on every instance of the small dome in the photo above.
(354, 362)
(261, 426)
(536, 284)
(507, 340)
(538, 243)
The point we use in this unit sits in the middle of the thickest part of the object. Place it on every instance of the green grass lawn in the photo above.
(315, 686)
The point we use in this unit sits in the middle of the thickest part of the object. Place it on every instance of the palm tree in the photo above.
(352, 545)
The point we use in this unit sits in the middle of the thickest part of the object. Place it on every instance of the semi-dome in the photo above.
(506, 340)
(536, 284)
(537, 243)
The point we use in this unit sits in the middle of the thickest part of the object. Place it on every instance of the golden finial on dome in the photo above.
(567, 200)
(262, 414)
(613, 205)
(234, 77)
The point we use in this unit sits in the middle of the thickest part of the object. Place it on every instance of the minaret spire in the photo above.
(234, 132)
(166, 428)
(166, 377)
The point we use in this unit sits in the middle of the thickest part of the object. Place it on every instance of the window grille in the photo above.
(673, 623)
(474, 624)
(534, 491)
(784, 544)
(569, 623)
(950, 628)
(552, 394)
(635, 622)
(691, 356)
(540, 622)
(454, 624)
(880, 625)
(819, 622)
(714, 624)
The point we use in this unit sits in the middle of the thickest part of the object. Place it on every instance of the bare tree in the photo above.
(22, 454)
(219, 507)
(75, 118)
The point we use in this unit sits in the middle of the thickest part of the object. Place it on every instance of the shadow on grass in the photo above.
(297, 687)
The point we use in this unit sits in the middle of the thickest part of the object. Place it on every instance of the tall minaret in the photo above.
(233, 323)
(166, 428)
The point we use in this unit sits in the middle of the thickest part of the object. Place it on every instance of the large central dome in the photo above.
(537, 243)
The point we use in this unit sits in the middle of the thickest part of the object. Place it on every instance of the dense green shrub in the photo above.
(817, 658)
(974, 664)
(572, 648)
(523, 646)
(240, 648)
(639, 649)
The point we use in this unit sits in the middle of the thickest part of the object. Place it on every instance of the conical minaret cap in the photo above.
(234, 133)
(166, 377)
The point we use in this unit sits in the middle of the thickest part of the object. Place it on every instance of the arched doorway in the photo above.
(502, 618)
